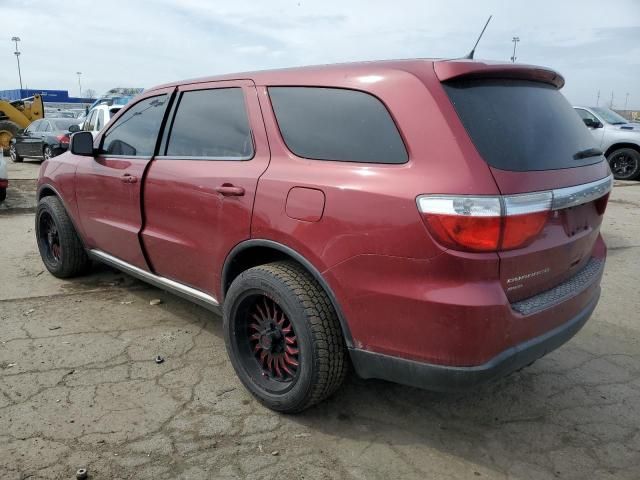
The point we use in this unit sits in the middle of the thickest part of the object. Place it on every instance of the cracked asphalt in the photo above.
(79, 387)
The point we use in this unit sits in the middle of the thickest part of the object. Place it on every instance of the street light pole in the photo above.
(626, 100)
(79, 84)
(515, 41)
(17, 54)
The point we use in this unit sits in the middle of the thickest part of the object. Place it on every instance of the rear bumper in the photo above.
(452, 378)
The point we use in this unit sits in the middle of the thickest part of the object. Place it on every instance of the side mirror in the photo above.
(81, 143)
(591, 123)
(74, 128)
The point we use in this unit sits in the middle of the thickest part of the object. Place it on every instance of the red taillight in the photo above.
(474, 233)
(519, 230)
(601, 204)
(485, 224)
(64, 139)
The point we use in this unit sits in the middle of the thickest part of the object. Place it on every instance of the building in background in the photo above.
(58, 99)
(631, 115)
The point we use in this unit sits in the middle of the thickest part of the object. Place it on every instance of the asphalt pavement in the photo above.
(79, 387)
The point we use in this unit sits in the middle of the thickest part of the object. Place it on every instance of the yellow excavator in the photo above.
(18, 115)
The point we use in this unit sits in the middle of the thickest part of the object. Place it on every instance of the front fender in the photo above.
(57, 177)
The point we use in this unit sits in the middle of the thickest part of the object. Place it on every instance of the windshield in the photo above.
(522, 125)
(610, 116)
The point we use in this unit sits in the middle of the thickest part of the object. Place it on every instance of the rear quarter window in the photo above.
(521, 125)
(337, 124)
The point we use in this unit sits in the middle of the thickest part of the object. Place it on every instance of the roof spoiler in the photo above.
(457, 69)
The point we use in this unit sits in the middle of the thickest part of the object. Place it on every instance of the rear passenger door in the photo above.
(199, 190)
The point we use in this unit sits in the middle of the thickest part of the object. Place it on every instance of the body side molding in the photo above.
(201, 298)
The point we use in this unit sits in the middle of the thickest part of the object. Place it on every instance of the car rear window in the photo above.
(337, 124)
(63, 124)
(521, 125)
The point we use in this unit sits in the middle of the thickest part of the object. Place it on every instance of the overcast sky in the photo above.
(594, 44)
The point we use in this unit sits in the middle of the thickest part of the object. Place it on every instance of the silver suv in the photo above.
(617, 138)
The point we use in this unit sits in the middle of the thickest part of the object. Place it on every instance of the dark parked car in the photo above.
(404, 217)
(43, 139)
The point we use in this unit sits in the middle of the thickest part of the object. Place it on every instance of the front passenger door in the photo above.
(108, 187)
(25, 147)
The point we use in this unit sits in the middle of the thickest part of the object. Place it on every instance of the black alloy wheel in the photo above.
(60, 247)
(283, 336)
(625, 164)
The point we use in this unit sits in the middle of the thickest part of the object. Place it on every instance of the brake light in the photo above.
(64, 139)
(601, 204)
(488, 223)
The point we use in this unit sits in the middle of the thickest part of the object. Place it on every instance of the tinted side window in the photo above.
(100, 120)
(63, 124)
(44, 127)
(211, 124)
(34, 126)
(89, 123)
(337, 124)
(136, 131)
(585, 115)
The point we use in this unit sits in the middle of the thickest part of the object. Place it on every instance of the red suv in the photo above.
(432, 223)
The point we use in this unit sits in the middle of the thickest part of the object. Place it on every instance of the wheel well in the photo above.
(249, 258)
(265, 251)
(46, 192)
(621, 145)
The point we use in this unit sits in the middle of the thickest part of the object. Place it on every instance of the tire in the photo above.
(314, 333)
(60, 247)
(13, 153)
(3, 194)
(47, 153)
(8, 130)
(625, 163)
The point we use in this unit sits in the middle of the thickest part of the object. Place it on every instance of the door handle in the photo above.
(229, 190)
(128, 178)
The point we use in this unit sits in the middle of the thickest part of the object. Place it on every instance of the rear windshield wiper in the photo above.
(589, 152)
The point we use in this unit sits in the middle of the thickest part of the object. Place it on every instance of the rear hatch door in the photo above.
(533, 140)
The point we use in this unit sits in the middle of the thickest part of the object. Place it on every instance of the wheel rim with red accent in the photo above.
(267, 343)
(273, 341)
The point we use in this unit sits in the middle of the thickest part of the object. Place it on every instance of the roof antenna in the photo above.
(473, 50)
